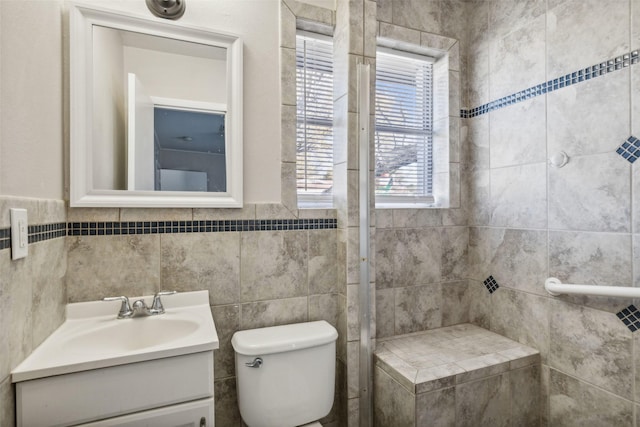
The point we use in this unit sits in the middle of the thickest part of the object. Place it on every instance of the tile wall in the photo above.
(433, 292)
(530, 220)
(32, 293)
(255, 278)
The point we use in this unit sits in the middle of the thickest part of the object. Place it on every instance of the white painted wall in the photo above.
(31, 125)
(31, 101)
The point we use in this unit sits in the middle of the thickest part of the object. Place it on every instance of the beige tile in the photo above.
(227, 412)
(455, 243)
(400, 33)
(519, 259)
(525, 396)
(48, 267)
(394, 406)
(592, 345)
(575, 403)
(202, 261)
(436, 408)
(105, 266)
(456, 301)
(246, 212)
(15, 311)
(323, 261)
(273, 265)
(416, 218)
(505, 16)
(524, 122)
(453, 18)
(7, 403)
(385, 312)
(142, 214)
(519, 196)
(591, 258)
(522, 317)
(418, 308)
(227, 321)
(518, 59)
(324, 307)
(484, 402)
(93, 214)
(591, 193)
(273, 313)
(288, 149)
(420, 15)
(572, 45)
(274, 211)
(353, 369)
(574, 126)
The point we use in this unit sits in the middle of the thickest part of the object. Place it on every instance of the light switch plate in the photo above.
(19, 233)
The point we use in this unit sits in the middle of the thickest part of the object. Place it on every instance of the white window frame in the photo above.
(410, 201)
(308, 199)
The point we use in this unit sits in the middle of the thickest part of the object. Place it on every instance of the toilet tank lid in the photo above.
(278, 339)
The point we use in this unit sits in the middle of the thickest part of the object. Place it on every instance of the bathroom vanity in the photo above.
(97, 370)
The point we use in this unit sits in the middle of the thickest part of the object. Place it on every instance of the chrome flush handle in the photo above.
(257, 362)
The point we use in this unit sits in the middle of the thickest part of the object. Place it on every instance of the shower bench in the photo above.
(460, 375)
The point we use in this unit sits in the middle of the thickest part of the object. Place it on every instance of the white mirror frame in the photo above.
(82, 194)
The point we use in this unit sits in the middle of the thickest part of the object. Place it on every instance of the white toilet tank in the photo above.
(294, 382)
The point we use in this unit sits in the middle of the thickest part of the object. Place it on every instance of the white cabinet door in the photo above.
(192, 414)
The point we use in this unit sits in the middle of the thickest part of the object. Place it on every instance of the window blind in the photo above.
(404, 125)
(314, 110)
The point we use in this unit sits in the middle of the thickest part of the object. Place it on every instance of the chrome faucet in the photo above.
(140, 308)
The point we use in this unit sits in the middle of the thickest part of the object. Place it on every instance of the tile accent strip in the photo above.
(630, 149)
(164, 227)
(491, 284)
(39, 233)
(5, 238)
(578, 76)
(630, 316)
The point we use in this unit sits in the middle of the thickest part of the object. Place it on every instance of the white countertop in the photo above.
(92, 337)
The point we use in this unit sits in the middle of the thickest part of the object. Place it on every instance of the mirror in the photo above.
(156, 113)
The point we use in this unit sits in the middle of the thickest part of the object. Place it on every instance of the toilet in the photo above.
(285, 374)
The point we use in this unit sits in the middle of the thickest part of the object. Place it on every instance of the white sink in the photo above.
(130, 335)
(92, 337)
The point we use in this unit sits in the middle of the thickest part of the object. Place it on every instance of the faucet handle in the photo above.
(157, 306)
(125, 308)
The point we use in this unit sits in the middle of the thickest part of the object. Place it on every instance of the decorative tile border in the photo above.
(165, 227)
(630, 316)
(5, 238)
(578, 76)
(39, 233)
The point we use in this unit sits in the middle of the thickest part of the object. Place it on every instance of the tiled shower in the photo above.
(537, 77)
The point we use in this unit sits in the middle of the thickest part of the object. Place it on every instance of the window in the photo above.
(314, 111)
(404, 128)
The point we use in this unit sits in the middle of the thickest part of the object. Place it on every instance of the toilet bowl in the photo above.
(285, 374)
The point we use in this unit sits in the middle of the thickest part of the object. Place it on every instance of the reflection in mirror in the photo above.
(191, 142)
(161, 109)
(141, 68)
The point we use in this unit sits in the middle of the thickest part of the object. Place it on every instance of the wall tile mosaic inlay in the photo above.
(572, 78)
(630, 316)
(39, 233)
(491, 284)
(5, 238)
(630, 149)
